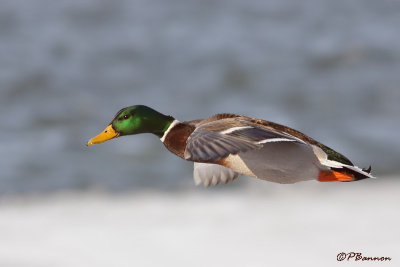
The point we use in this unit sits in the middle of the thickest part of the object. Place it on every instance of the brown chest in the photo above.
(175, 141)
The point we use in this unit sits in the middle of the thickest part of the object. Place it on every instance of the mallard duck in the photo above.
(226, 145)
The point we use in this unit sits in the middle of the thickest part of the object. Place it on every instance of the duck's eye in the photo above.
(126, 116)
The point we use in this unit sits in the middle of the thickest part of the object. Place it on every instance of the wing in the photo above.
(212, 174)
(218, 139)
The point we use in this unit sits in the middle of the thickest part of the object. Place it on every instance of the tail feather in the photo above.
(358, 173)
(339, 171)
(367, 170)
(345, 174)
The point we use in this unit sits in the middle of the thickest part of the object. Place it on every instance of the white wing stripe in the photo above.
(270, 140)
(233, 129)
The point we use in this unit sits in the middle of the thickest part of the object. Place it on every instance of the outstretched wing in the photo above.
(218, 139)
(212, 174)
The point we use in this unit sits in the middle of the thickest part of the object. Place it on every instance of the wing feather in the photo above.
(218, 139)
(212, 174)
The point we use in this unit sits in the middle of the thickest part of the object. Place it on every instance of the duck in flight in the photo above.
(226, 145)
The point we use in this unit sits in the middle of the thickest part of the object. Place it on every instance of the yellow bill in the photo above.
(107, 134)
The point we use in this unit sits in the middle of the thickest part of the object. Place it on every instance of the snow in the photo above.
(261, 224)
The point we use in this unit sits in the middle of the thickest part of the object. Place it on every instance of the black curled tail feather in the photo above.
(367, 170)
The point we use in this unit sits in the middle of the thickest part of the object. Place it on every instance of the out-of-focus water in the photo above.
(328, 68)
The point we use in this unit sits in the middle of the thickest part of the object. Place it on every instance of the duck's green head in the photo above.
(134, 120)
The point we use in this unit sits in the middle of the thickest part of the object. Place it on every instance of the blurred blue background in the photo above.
(327, 68)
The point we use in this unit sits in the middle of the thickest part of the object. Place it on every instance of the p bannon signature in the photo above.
(358, 256)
